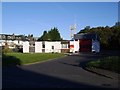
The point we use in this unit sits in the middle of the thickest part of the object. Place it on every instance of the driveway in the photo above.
(66, 72)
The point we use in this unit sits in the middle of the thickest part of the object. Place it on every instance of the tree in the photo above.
(109, 36)
(52, 35)
(30, 37)
(6, 49)
(44, 37)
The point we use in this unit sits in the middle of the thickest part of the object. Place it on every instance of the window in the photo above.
(43, 45)
(3, 37)
(52, 47)
(64, 46)
(9, 37)
(19, 42)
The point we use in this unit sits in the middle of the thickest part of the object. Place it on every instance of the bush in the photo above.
(18, 49)
(6, 50)
(15, 50)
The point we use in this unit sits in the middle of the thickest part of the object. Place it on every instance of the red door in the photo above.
(85, 45)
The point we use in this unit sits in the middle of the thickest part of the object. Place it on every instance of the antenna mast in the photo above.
(72, 30)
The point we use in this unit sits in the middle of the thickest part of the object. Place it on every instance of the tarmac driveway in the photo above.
(66, 72)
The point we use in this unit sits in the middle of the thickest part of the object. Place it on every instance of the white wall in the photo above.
(16, 42)
(57, 47)
(20, 42)
(95, 46)
(48, 47)
(11, 42)
(72, 43)
(76, 46)
(38, 47)
(26, 47)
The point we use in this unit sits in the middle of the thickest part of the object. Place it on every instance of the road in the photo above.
(66, 72)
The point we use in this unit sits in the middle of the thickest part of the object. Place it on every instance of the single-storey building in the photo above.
(46, 47)
(85, 42)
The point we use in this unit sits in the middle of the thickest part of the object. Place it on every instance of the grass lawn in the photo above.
(111, 63)
(27, 58)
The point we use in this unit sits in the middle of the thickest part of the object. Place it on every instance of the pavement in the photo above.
(66, 72)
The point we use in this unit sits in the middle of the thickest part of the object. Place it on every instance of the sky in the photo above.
(35, 17)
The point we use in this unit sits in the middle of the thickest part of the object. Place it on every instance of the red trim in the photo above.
(71, 46)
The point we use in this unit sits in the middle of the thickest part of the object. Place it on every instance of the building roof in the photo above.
(13, 37)
(92, 36)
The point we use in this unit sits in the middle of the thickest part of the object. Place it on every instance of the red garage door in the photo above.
(85, 45)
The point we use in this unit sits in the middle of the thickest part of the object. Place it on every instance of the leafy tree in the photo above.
(109, 36)
(43, 37)
(30, 37)
(52, 35)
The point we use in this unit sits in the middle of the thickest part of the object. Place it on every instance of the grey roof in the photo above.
(92, 36)
(13, 37)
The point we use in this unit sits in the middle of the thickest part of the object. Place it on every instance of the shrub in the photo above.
(6, 50)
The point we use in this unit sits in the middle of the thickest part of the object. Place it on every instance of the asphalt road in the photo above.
(66, 72)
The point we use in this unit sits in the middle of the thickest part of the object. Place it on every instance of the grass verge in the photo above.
(111, 63)
(27, 58)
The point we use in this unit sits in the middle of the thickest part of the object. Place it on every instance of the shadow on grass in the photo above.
(10, 60)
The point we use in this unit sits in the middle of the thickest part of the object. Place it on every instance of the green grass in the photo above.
(27, 58)
(111, 63)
